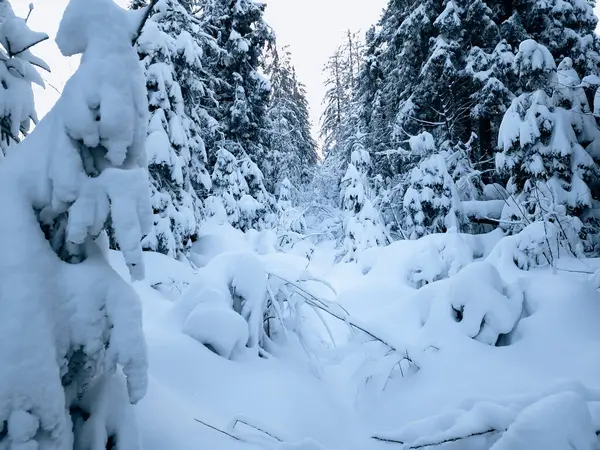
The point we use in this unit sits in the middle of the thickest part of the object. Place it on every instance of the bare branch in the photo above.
(434, 444)
(217, 429)
(256, 428)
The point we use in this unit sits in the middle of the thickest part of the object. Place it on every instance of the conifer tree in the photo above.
(241, 35)
(80, 351)
(241, 92)
(363, 227)
(171, 51)
(541, 151)
(342, 70)
(18, 72)
(293, 151)
(453, 61)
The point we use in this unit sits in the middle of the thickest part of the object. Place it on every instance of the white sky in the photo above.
(312, 29)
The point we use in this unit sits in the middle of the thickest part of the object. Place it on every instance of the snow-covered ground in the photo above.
(479, 347)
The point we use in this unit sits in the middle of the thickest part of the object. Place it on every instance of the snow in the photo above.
(492, 371)
(325, 340)
(555, 422)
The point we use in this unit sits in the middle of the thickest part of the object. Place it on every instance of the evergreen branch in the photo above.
(11, 54)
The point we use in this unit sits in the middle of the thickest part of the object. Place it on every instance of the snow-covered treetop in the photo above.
(422, 144)
(106, 106)
(84, 20)
(533, 63)
(360, 158)
(100, 122)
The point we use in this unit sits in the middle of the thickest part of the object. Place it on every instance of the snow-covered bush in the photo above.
(242, 303)
(284, 194)
(259, 208)
(476, 303)
(79, 325)
(239, 195)
(542, 243)
(18, 71)
(228, 187)
(363, 227)
(458, 159)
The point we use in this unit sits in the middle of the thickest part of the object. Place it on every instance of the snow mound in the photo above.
(475, 303)
(556, 422)
(231, 281)
(551, 422)
(216, 326)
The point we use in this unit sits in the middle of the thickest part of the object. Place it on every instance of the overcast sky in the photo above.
(312, 29)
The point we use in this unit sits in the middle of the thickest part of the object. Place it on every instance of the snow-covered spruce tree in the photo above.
(362, 225)
(258, 209)
(242, 92)
(80, 357)
(431, 203)
(540, 135)
(445, 67)
(293, 151)
(239, 196)
(241, 35)
(229, 186)
(18, 71)
(179, 92)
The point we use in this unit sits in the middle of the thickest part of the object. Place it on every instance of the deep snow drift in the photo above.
(478, 353)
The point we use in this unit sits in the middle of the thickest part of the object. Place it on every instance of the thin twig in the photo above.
(382, 439)
(27, 47)
(445, 441)
(217, 429)
(318, 303)
(256, 428)
(433, 444)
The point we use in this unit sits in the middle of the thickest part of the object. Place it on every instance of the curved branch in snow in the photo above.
(434, 444)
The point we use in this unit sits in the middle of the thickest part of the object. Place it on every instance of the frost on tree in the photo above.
(541, 139)
(171, 54)
(18, 71)
(80, 357)
(363, 227)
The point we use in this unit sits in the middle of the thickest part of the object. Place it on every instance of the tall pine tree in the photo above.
(180, 94)
(293, 150)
